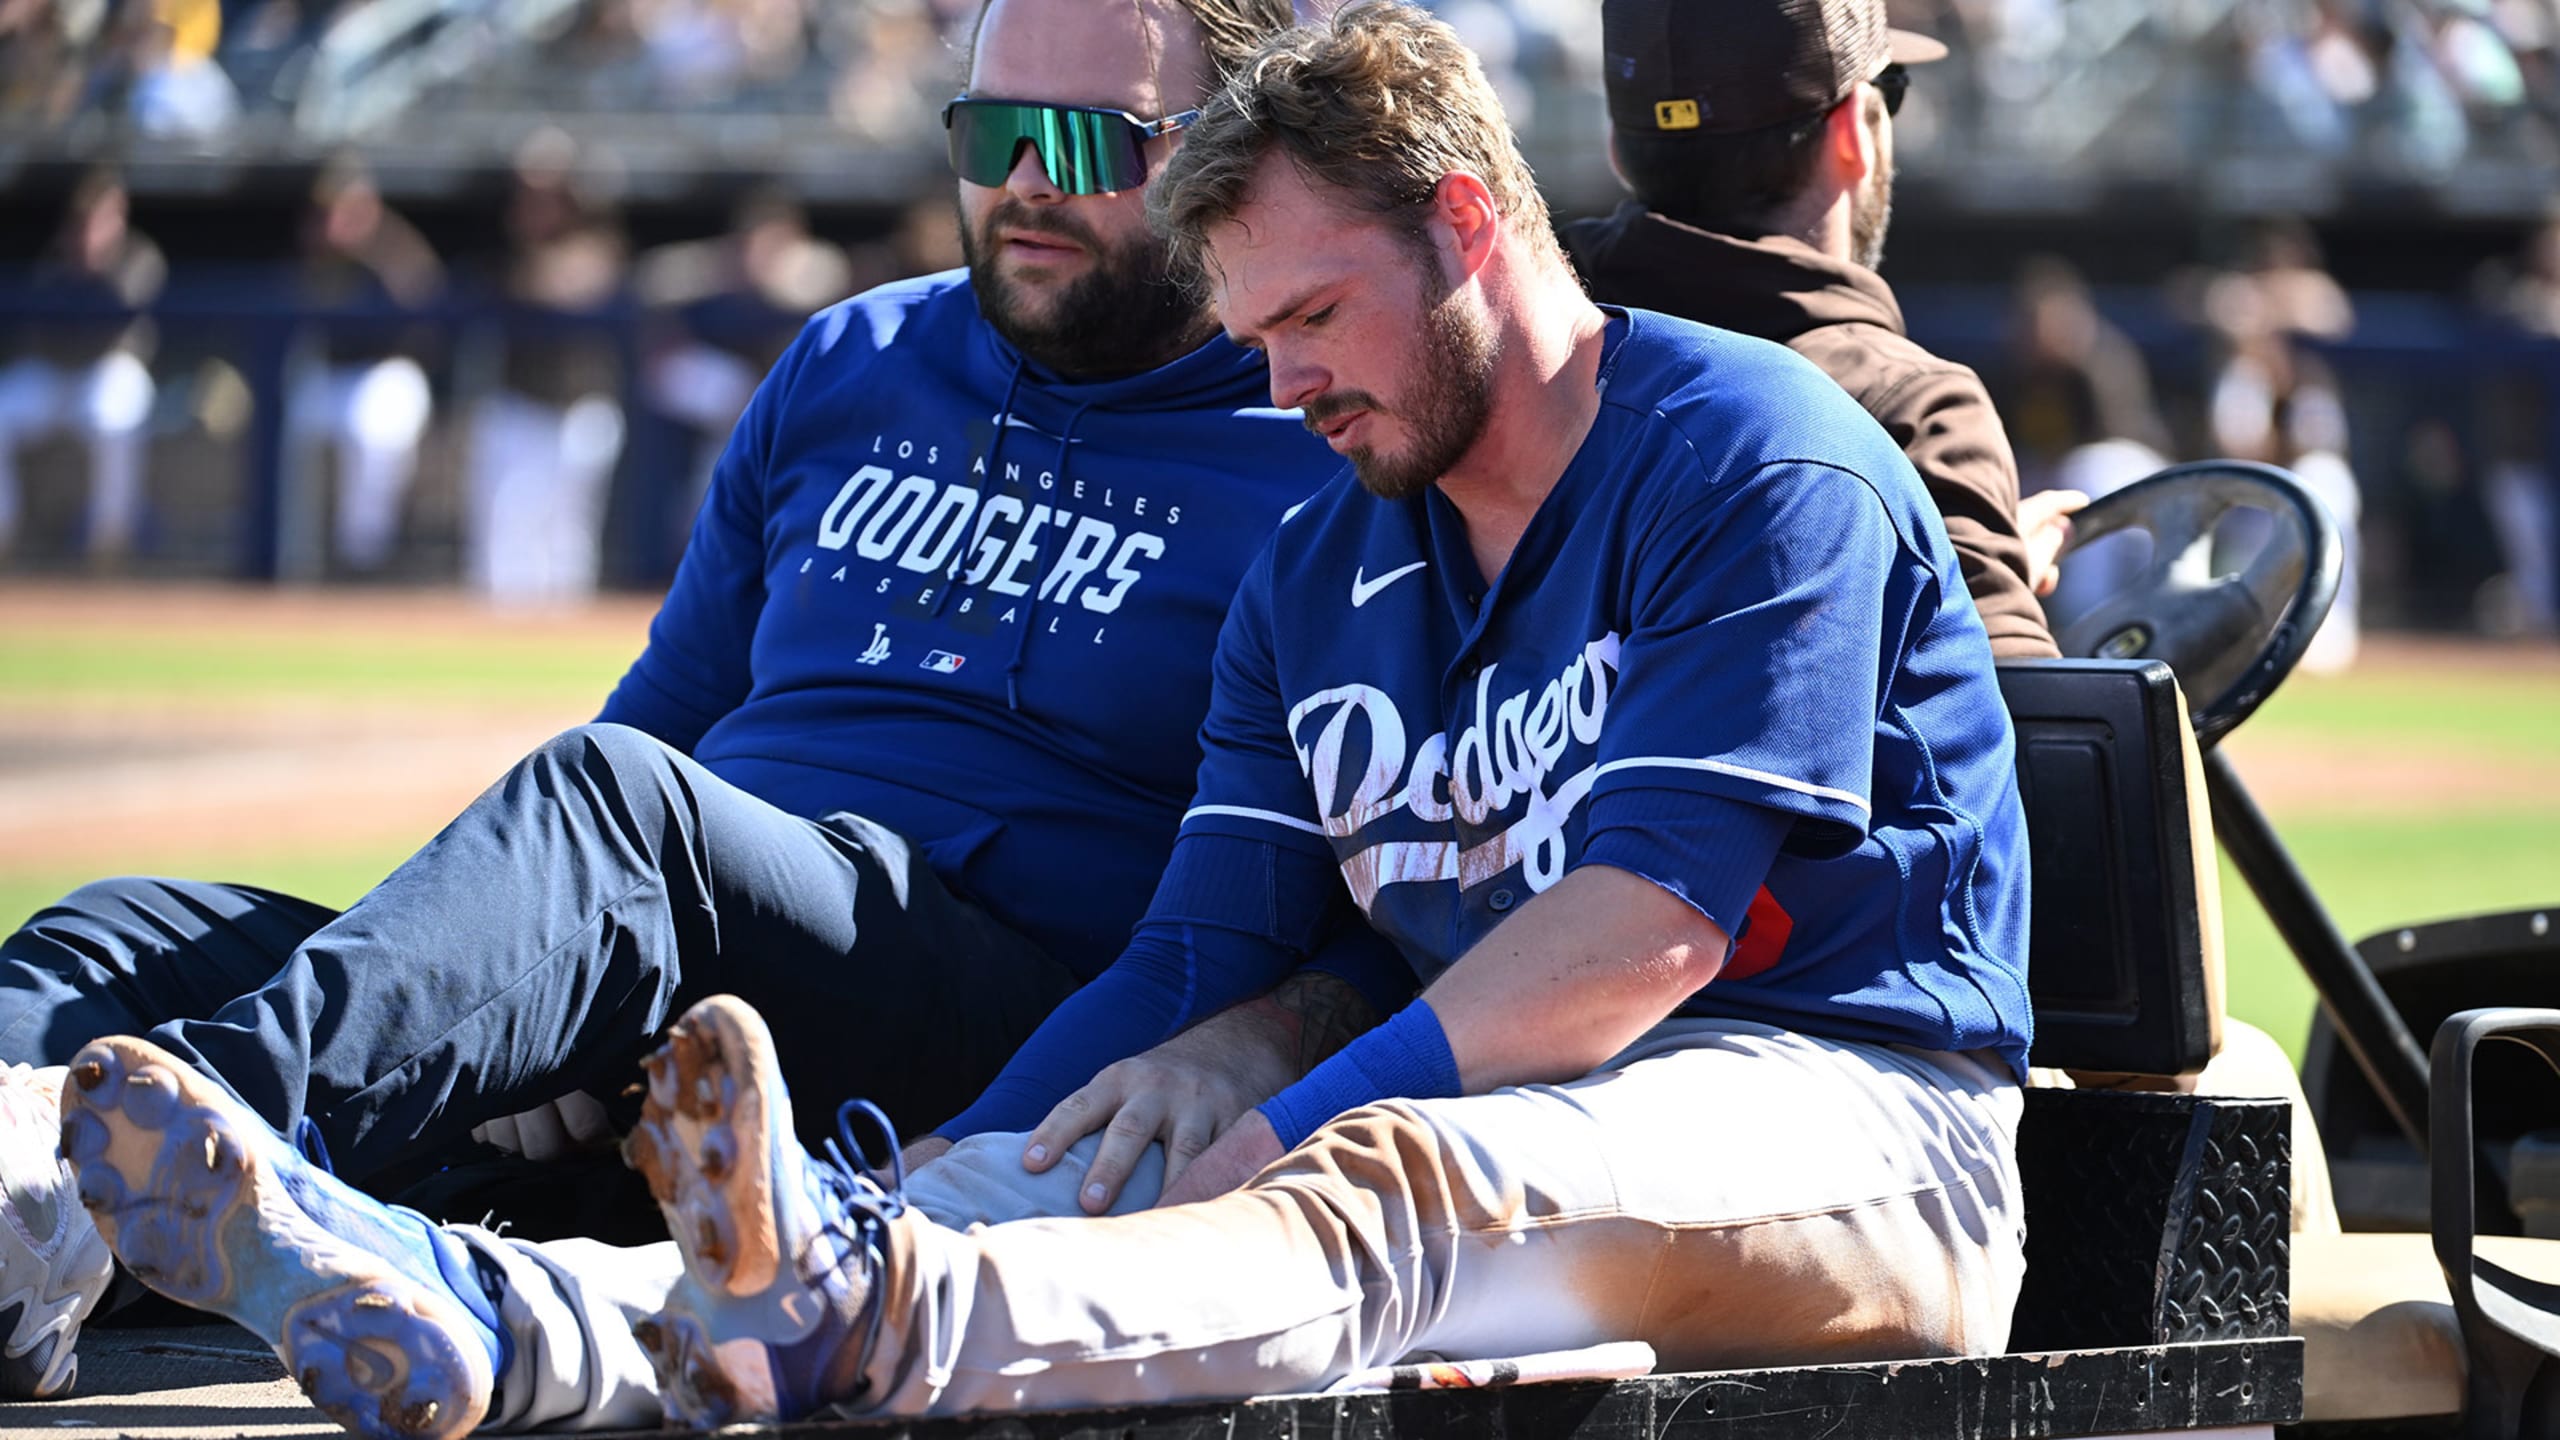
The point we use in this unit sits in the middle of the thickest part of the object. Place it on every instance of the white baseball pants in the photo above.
(1732, 1194)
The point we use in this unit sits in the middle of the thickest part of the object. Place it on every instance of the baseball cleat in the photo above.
(779, 1306)
(54, 1264)
(378, 1313)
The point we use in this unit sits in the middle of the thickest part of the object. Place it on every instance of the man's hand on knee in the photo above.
(1184, 1094)
(1195, 1088)
(1238, 1156)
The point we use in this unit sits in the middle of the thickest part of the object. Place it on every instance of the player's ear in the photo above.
(1468, 223)
(1848, 146)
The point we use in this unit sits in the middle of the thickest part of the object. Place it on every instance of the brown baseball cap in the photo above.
(1714, 67)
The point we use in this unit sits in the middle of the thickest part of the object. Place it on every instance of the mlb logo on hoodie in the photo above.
(943, 662)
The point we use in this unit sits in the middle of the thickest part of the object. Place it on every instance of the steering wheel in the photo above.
(2230, 638)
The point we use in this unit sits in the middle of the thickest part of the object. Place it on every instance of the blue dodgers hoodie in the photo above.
(944, 588)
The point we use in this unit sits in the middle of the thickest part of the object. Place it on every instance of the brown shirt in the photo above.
(1843, 318)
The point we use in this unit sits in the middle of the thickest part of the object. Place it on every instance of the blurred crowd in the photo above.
(2402, 86)
(564, 379)
(333, 70)
(569, 370)
(2412, 87)
(2280, 378)
(546, 361)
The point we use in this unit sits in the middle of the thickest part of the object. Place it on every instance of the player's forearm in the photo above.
(1572, 979)
(1569, 981)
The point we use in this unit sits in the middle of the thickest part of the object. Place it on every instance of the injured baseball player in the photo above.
(1627, 682)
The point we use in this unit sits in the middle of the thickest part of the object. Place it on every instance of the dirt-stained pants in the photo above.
(1732, 1194)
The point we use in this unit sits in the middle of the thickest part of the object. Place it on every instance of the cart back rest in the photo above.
(2125, 953)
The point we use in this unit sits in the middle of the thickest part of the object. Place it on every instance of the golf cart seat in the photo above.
(2383, 1347)
(2456, 1333)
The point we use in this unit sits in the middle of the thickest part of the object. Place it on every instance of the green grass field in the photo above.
(332, 665)
(2375, 864)
(2380, 866)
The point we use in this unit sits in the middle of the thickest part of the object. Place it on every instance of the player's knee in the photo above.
(113, 901)
(1384, 1145)
(600, 759)
(103, 917)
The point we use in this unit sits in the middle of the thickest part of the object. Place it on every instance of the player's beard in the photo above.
(1123, 316)
(1444, 410)
(1871, 212)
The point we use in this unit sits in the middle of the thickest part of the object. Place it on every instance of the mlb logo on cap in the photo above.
(1675, 115)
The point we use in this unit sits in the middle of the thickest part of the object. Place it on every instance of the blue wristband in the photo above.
(1407, 1058)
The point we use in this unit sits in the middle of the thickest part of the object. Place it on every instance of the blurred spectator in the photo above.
(708, 49)
(44, 46)
(545, 439)
(2520, 486)
(899, 73)
(2311, 65)
(89, 374)
(2281, 287)
(725, 310)
(177, 89)
(2274, 400)
(2529, 293)
(360, 390)
(2080, 412)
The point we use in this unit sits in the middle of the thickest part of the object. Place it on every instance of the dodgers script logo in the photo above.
(1503, 760)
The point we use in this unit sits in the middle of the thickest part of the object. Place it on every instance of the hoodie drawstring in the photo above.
(978, 485)
(1031, 611)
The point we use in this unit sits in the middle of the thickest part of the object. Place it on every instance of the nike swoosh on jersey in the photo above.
(1364, 589)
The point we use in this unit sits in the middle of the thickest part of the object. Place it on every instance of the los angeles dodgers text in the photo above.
(991, 538)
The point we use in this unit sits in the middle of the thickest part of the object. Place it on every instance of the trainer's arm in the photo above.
(1193, 1088)
(1231, 918)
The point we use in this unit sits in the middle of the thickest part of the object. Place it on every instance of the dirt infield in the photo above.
(112, 780)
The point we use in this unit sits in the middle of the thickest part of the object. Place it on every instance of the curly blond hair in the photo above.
(1379, 103)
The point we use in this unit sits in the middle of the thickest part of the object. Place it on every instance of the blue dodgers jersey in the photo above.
(1738, 594)
(940, 587)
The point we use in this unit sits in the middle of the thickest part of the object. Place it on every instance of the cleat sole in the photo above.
(193, 1196)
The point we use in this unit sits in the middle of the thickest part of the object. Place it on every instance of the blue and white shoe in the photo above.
(54, 1265)
(779, 1308)
(380, 1315)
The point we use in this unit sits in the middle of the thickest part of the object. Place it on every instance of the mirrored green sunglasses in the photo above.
(1084, 149)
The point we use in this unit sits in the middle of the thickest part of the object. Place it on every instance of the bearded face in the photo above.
(1871, 209)
(1442, 410)
(1120, 316)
